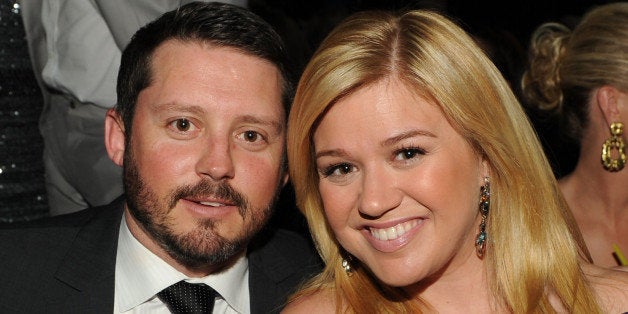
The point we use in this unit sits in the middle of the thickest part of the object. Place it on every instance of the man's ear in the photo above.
(114, 137)
(607, 98)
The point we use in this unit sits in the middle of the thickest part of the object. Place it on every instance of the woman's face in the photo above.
(400, 187)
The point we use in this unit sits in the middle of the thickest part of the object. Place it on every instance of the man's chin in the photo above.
(204, 247)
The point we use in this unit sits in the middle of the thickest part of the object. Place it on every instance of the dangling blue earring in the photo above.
(485, 201)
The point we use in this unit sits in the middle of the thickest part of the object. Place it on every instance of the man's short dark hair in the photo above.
(216, 23)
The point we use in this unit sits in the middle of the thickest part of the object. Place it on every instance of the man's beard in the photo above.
(202, 246)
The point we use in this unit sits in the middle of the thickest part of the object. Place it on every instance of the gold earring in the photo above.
(617, 143)
(347, 267)
(347, 259)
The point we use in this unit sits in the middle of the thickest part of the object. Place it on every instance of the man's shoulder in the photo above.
(48, 229)
(279, 262)
(56, 225)
(49, 238)
(281, 254)
(284, 244)
(59, 260)
(285, 239)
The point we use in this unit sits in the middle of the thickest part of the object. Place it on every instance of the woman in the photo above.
(582, 77)
(423, 183)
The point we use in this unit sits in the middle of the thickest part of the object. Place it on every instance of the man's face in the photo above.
(203, 165)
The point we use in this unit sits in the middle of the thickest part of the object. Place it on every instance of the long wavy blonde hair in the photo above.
(533, 245)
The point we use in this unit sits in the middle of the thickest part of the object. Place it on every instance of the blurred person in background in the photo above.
(580, 77)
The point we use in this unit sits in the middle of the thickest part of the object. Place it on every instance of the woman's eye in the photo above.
(408, 153)
(182, 125)
(338, 170)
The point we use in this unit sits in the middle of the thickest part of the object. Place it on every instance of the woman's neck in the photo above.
(599, 201)
(462, 288)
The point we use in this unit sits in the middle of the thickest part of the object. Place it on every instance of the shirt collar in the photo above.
(135, 285)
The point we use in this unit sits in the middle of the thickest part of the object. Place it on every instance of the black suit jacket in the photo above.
(66, 264)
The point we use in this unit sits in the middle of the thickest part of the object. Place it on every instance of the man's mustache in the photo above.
(206, 188)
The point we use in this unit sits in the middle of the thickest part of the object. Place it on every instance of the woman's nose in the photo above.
(379, 192)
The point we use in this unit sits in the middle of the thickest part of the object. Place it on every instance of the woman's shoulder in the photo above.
(611, 287)
(319, 301)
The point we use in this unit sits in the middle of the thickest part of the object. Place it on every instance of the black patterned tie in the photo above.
(186, 298)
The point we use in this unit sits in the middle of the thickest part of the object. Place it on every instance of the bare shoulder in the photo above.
(321, 301)
(611, 287)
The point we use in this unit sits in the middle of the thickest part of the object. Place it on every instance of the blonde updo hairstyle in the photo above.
(566, 66)
(533, 244)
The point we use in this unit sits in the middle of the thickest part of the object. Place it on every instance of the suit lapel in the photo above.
(89, 266)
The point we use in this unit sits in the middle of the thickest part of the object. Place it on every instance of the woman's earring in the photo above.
(347, 266)
(485, 201)
(617, 143)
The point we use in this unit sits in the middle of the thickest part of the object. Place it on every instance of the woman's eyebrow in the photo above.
(408, 134)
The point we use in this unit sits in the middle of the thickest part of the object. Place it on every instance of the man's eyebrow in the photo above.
(277, 125)
(179, 108)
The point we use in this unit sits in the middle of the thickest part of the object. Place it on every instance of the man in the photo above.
(199, 130)
(75, 47)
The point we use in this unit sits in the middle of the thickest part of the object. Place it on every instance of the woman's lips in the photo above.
(393, 238)
(393, 232)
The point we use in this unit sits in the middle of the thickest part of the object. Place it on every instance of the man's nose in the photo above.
(216, 160)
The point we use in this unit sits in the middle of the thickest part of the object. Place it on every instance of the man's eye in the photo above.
(182, 125)
(251, 136)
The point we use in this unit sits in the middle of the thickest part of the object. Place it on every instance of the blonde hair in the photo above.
(565, 66)
(533, 242)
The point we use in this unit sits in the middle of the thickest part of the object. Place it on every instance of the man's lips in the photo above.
(209, 209)
(213, 202)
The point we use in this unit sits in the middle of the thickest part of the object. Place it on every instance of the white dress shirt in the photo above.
(140, 275)
(82, 56)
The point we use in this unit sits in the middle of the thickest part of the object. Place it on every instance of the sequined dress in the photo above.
(22, 187)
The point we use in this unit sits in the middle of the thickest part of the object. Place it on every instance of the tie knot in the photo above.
(185, 298)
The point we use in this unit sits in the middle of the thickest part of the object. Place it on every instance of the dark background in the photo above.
(311, 20)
